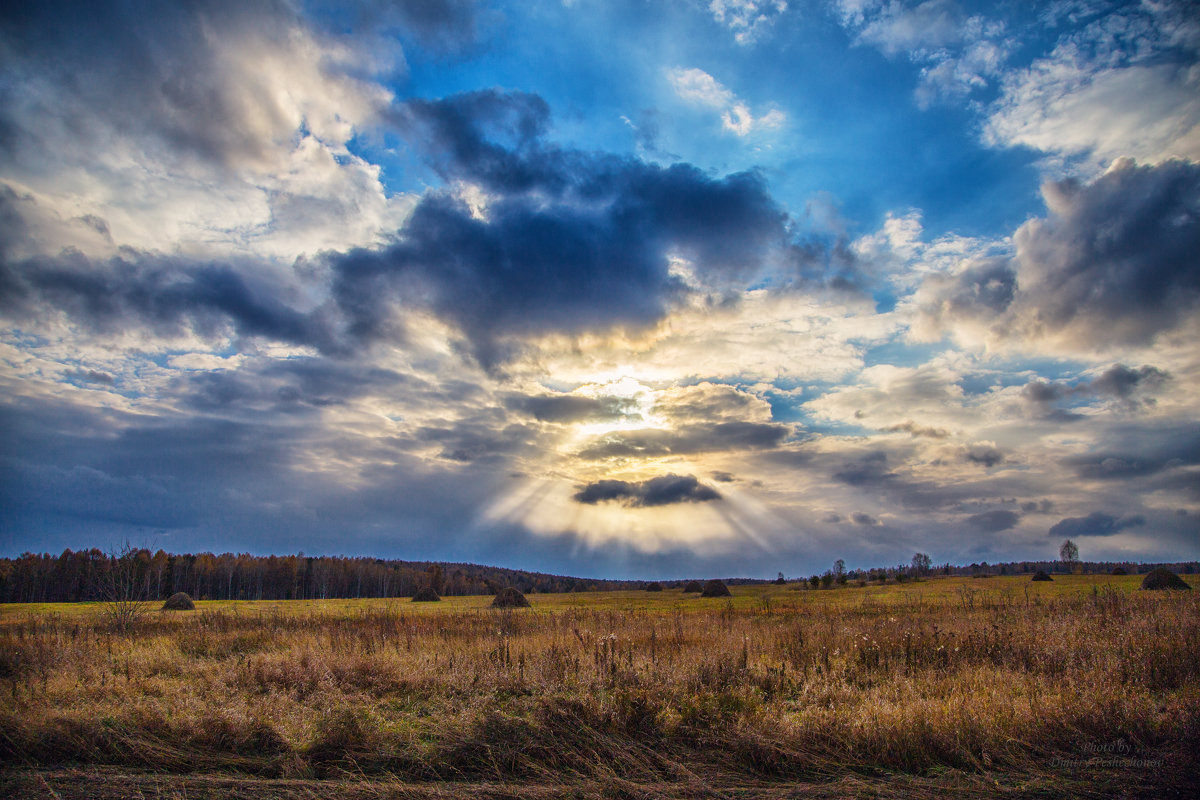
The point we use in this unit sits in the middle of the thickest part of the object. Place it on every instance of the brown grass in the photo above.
(1072, 694)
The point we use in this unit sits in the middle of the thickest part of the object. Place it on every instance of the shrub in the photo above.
(509, 597)
(715, 588)
(426, 594)
(1041, 575)
(1119, 571)
(693, 586)
(1163, 579)
(180, 601)
(654, 586)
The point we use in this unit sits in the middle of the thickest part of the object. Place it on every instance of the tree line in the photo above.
(87, 575)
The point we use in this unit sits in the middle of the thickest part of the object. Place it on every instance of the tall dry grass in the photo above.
(709, 692)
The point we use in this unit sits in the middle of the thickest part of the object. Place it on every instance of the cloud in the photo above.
(687, 440)
(1111, 266)
(168, 297)
(915, 430)
(898, 28)
(698, 87)
(569, 241)
(748, 19)
(958, 54)
(660, 491)
(983, 453)
(1094, 524)
(208, 125)
(994, 521)
(1125, 84)
(570, 408)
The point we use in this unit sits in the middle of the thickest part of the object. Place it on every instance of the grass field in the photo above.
(1085, 686)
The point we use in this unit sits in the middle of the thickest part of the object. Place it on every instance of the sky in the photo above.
(602, 287)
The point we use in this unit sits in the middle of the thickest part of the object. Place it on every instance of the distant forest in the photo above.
(86, 575)
(95, 575)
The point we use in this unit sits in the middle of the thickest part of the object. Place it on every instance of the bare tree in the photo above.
(125, 588)
(921, 564)
(1069, 554)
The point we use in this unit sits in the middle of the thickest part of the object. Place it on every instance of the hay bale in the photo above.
(1163, 579)
(654, 586)
(1041, 575)
(693, 586)
(715, 588)
(426, 594)
(1119, 571)
(509, 597)
(180, 601)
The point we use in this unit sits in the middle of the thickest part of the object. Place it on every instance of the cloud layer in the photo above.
(691, 289)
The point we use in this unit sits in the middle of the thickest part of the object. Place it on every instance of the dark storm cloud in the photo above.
(1127, 384)
(861, 518)
(169, 297)
(1094, 524)
(569, 408)
(1141, 451)
(994, 521)
(1122, 381)
(569, 240)
(1114, 263)
(984, 454)
(660, 491)
(868, 470)
(688, 439)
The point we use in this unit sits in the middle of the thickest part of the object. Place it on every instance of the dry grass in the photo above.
(1081, 686)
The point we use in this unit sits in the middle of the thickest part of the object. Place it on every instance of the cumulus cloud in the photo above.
(698, 87)
(661, 491)
(1112, 265)
(1125, 84)
(569, 241)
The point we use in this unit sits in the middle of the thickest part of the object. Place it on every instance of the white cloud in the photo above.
(698, 87)
(959, 54)
(748, 19)
(1064, 108)
(243, 123)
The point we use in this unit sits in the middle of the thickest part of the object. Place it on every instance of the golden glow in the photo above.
(544, 500)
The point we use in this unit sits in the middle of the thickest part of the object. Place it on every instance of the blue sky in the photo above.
(618, 289)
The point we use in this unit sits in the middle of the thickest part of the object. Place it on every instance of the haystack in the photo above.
(1119, 571)
(508, 597)
(715, 588)
(426, 594)
(1041, 575)
(654, 586)
(693, 586)
(180, 601)
(1163, 579)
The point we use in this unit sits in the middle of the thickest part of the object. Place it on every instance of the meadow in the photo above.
(1084, 686)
